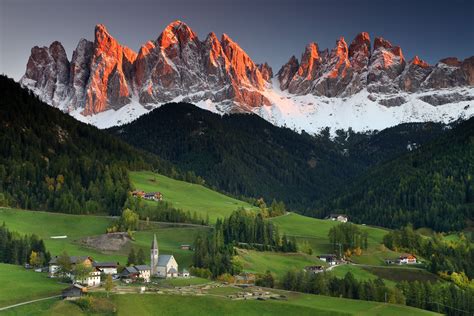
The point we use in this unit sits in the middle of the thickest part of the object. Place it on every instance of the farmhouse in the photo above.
(164, 266)
(54, 266)
(338, 217)
(407, 259)
(138, 193)
(185, 247)
(106, 267)
(92, 280)
(73, 292)
(314, 269)
(154, 196)
(245, 279)
(136, 272)
(330, 259)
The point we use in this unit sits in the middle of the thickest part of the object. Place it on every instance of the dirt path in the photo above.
(28, 302)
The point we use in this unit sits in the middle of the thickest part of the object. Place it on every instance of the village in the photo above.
(165, 266)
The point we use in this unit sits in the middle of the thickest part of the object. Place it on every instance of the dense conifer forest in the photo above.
(50, 161)
(429, 187)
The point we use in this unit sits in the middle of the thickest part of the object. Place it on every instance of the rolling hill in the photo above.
(244, 155)
(50, 161)
(432, 186)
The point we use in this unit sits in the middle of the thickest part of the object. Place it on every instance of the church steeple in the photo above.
(154, 244)
(154, 253)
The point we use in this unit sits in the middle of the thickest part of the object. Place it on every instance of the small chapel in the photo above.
(164, 266)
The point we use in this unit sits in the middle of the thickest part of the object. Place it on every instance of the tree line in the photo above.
(348, 287)
(348, 236)
(443, 256)
(163, 211)
(244, 229)
(22, 249)
(432, 186)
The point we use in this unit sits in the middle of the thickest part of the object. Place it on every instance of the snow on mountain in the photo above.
(108, 84)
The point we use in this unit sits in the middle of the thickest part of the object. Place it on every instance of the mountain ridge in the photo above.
(107, 84)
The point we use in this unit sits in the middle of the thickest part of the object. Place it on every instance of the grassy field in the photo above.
(75, 227)
(53, 307)
(315, 232)
(18, 285)
(277, 262)
(188, 196)
(297, 304)
(397, 274)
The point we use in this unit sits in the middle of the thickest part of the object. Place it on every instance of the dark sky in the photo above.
(268, 30)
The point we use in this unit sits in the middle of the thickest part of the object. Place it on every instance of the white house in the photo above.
(92, 280)
(330, 259)
(338, 217)
(54, 266)
(406, 259)
(137, 272)
(106, 267)
(164, 266)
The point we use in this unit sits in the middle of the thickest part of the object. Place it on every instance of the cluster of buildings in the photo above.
(406, 258)
(338, 217)
(162, 266)
(153, 196)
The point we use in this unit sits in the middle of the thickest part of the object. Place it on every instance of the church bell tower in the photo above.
(154, 253)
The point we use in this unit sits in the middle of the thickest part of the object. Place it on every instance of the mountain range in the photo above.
(363, 85)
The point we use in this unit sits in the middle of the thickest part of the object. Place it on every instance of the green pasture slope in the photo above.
(75, 227)
(277, 262)
(315, 232)
(188, 196)
(18, 285)
(297, 304)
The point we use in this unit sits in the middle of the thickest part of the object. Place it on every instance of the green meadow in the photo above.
(156, 304)
(188, 196)
(75, 227)
(315, 232)
(18, 285)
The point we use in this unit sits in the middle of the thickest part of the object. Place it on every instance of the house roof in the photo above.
(336, 215)
(73, 259)
(164, 259)
(129, 270)
(407, 255)
(105, 264)
(172, 270)
(142, 267)
(327, 256)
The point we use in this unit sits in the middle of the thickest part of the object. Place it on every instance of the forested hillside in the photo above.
(245, 155)
(432, 186)
(50, 161)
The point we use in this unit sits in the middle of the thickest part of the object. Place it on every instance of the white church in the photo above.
(164, 266)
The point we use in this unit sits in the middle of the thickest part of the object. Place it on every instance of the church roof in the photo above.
(154, 244)
(164, 259)
(172, 270)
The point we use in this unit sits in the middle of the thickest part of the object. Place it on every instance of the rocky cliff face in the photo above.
(345, 71)
(217, 74)
(106, 75)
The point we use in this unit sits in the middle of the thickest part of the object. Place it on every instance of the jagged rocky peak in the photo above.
(359, 51)
(47, 73)
(419, 62)
(287, 72)
(266, 71)
(110, 78)
(79, 73)
(217, 73)
(308, 70)
(385, 65)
